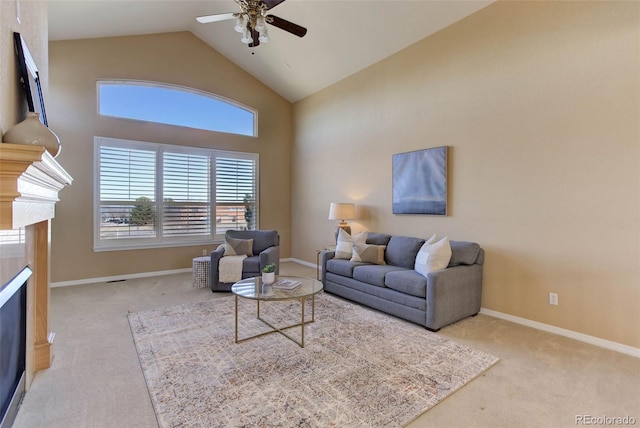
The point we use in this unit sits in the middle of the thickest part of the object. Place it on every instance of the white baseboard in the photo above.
(118, 277)
(603, 343)
(302, 262)
(135, 275)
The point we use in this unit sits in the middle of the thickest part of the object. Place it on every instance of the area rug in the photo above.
(359, 367)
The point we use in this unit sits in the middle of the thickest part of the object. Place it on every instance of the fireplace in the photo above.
(30, 179)
(13, 345)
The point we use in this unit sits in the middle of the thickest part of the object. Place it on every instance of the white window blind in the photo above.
(186, 195)
(236, 193)
(127, 193)
(150, 195)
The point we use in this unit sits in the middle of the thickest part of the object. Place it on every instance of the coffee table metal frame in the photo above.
(254, 289)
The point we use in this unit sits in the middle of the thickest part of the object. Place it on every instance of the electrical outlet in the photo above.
(553, 299)
(204, 251)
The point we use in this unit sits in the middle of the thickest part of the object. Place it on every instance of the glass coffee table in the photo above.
(254, 289)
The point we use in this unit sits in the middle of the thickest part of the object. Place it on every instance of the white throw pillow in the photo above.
(434, 255)
(344, 245)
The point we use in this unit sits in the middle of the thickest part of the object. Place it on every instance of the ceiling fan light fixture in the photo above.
(241, 24)
(252, 21)
(246, 37)
(261, 24)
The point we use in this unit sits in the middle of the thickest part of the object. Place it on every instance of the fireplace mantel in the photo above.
(30, 179)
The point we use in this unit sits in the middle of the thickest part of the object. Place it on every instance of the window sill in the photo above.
(147, 246)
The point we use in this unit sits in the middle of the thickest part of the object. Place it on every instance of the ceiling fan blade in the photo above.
(215, 18)
(285, 25)
(256, 39)
(272, 3)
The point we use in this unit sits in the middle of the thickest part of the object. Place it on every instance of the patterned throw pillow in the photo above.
(368, 253)
(238, 247)
(434, 255)
(344, 246)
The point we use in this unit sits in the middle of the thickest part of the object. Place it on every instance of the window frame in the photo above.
(159, 241)
(180, 88)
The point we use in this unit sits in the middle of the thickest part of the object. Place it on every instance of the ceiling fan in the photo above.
(252, 19)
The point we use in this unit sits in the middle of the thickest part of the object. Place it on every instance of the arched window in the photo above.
(175, 105)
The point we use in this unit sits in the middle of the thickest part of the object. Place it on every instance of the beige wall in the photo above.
(175, 58)
(539, 103)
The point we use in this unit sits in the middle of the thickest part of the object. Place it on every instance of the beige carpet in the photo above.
(359, 368)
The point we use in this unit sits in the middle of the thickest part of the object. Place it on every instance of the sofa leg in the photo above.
(435, 331)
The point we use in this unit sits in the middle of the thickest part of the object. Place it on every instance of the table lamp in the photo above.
(342, 212)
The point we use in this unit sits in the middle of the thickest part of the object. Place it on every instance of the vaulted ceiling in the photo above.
(343, 36)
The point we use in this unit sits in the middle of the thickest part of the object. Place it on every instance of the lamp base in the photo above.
(344, 226)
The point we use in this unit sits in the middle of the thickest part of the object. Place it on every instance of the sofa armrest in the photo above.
(324, 257)
(452, 294)
(213, 268)
(270, 255)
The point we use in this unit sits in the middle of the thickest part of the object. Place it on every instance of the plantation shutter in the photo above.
(127, 193)
(236, 192)
(157, 195)
(13, 236)
(186, 195)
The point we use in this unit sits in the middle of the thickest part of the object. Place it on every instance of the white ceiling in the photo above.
(343, 36)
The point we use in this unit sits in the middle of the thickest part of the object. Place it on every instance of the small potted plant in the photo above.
(269, 273)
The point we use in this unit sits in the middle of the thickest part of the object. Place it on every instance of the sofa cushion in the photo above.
(344, 244)
(342, 267)
(463, 253)
(378, 238)
(333, 280)
(407, 281)
(402, 250)
(251, 265)
(368, 253)
(434, 255)
(373, 274)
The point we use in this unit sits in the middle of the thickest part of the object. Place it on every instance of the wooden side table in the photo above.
(201, 267)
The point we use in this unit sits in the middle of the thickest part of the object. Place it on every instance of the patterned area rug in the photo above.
(359, 368)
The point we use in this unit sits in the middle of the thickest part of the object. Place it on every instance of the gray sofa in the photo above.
(441, 298)
(266, 250)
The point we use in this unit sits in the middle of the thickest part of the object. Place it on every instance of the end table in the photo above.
(201, 266)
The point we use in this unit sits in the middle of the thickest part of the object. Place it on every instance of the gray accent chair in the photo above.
(266, 250)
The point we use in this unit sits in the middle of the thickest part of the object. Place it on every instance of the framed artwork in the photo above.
(420, 182)
(30, 78)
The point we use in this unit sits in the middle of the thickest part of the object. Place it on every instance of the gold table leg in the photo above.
(236, 318)
(280, 330)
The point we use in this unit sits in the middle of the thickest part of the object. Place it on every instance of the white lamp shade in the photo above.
(339, 211)
(241, 24)
(246, 37)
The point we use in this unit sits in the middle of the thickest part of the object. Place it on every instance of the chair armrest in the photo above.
(213, 268)
(270, 255)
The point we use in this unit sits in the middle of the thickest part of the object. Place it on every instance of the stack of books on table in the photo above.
(286, 284)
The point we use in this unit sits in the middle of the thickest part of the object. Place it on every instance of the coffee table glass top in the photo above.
(253, 288)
